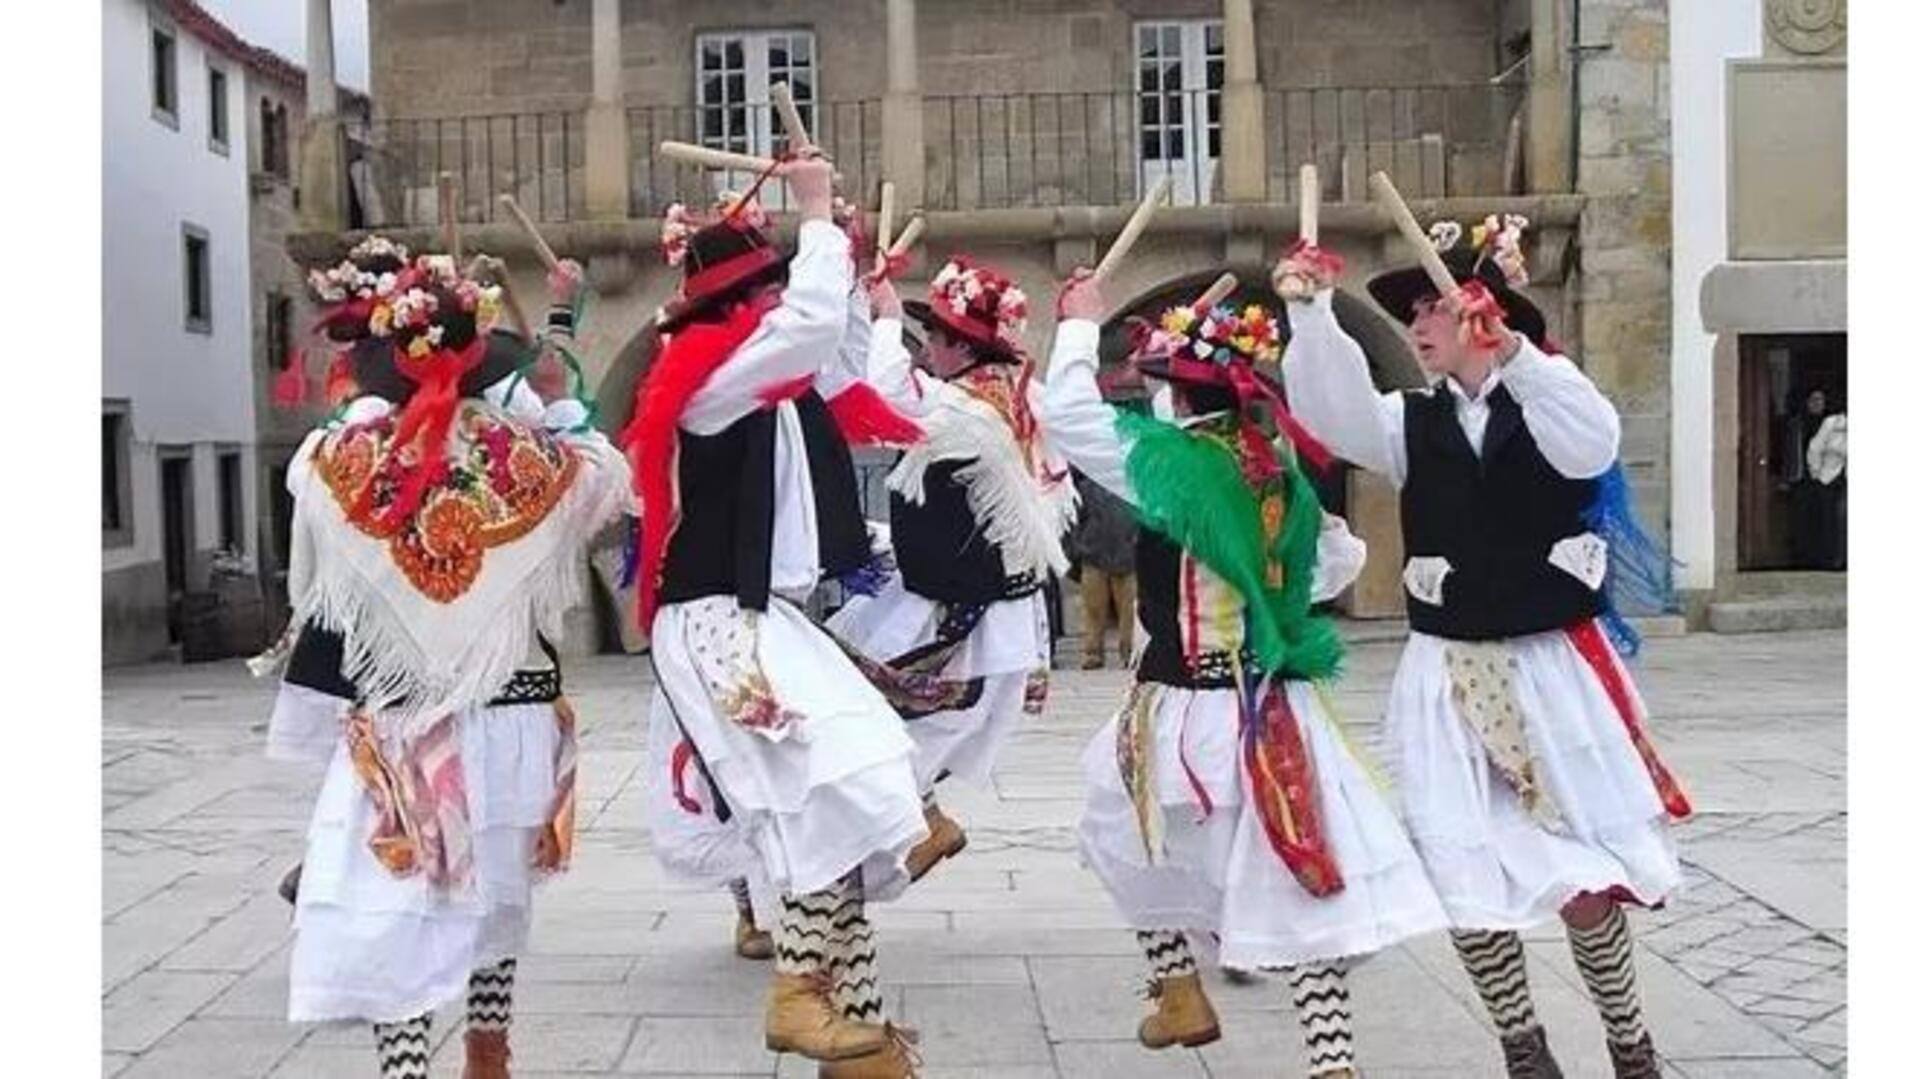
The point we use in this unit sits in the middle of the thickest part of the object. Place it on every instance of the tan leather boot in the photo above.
(801, 1019)
(899, 1060)
(1184, 1016)
(750, 941)
(487, 1055)
(945, 838)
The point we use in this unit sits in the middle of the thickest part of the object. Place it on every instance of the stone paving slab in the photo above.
(1010, 959)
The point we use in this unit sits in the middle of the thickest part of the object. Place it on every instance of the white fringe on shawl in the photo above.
(1022, 515)
(416, 659)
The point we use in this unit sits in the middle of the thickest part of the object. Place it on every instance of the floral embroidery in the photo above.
(499, 481)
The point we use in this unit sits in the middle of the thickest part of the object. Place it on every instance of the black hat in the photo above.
(1396, 291)
(721, 261)
(375, 372)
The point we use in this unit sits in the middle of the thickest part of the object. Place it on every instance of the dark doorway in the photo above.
(1791, 385)
(176, 529)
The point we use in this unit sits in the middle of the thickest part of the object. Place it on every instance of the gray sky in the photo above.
(281, 25)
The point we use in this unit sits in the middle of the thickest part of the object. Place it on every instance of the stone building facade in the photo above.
(1026, 129)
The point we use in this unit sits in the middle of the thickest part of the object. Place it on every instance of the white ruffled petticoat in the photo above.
(1220, 873)
(1009, 643)
(385, 948)
(1494, 867)
(834, 794)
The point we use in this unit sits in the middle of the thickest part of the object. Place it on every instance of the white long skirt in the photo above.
(837, 792)
(683, 818)
(1219, 873)
(1010, 642)
(370, 945)
(1494, 867)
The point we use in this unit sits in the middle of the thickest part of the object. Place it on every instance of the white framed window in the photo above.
(734, 73)
(217, 137)
(196, 270)
(1180, 67)
(163, 52)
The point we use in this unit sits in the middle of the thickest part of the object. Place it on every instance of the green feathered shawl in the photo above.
(1190, 489)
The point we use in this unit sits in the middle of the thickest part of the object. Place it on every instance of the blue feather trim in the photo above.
(630, 560)
(868, 578)
(1639, 568)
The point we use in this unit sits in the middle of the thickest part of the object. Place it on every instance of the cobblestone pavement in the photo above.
(1010, 959)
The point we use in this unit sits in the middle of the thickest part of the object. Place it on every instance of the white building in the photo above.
(1759, 305)
(179, 414)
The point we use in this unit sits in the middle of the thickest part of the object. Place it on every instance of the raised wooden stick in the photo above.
(1384, 190)
(449, 218)
(1221, 288)
(527, 226)
(797, 137)
(1137, 224)
(496, 270)
(908, 236)
(716, 159)
(885, 240)
(1310, 204)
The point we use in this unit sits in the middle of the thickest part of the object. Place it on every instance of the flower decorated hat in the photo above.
(1491, 257)
(401, 315)
(978, 305)
(1202, 345)
(720, 254)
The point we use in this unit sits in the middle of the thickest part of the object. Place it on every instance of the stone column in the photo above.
(1243, 123)
(607, 149)
(323, 171)
(902, 121)
(1550, 99)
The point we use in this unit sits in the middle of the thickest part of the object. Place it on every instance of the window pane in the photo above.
(1150, 77)
(231, 499)
(710, 129)
(1171, 79)
(777, 52)
(1149, 44)
(803, 50)
(162, 72)
(1150, 110)
(1216, 74)
(710, 90)
(1216, 39)
(802, 85)
(1176, 144)
(1176, 109)
(110, 472)
(1213, 141)
(736, 88)
(736, 54)
(217, 105)
(710, 55)
(1150, 145)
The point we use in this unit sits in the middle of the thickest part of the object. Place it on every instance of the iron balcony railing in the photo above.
(538, 158)
(983, 151)
(990, 151)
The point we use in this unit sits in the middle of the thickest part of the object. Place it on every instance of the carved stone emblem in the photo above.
(1807, 27)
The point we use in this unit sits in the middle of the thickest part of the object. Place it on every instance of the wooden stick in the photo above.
(1137, 224)
(1221, 288)
(1384, 190)
(1310, 204)
(908, 236)
(797, 137)
(547, 257)
(885, 241)
(496, 270)
(690, 154)
(449, 218)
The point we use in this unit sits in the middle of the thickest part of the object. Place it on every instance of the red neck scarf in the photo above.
(652, 437)
(423, 425)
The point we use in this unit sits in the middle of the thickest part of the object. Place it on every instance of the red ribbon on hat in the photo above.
(1323, 265)
(424, 425)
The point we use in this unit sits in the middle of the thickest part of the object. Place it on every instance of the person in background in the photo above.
(1102, 545)
(1827, 491)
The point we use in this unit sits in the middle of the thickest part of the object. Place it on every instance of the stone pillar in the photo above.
(607, 149)
(1550, 99)
(1243, 106)
(903, 155)
(323, 169)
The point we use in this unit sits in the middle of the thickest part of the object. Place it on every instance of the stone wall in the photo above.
(453, 57)
(1623, 294)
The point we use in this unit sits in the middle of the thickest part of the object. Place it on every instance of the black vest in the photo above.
(1494, 517)
(723, 545)
(317, 663)
(943, 551)
(1157, 563)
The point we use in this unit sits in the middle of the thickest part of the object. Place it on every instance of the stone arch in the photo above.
(1389, 357)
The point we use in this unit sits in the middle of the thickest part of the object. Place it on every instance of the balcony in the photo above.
(982, 151)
